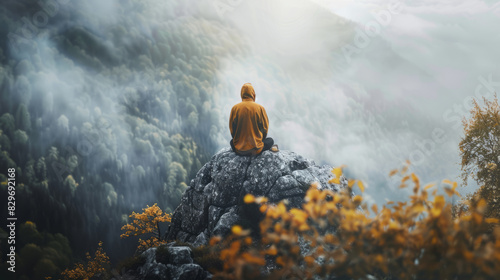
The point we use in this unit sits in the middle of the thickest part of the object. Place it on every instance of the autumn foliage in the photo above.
(334, 235)
(95, 267)
(479, 148)
(480, 153)
(147, 223)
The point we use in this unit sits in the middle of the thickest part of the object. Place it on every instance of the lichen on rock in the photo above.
(213, 203)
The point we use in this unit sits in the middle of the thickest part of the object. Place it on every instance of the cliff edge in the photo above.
(213, 203)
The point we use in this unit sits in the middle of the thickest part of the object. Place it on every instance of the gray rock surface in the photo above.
(174, 264)
(213, 202)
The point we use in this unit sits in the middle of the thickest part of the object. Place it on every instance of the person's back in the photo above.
(249, 124)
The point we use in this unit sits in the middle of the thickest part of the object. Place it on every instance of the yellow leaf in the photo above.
(446, 181)
(280, 261)
(414, 178)
(393, 172)
(337, 172)
(492, 220)
(393, 225)
(439, 201)
(429, 186)
(329, 238)
(281, 208)
(436, 212)
(405, 178)
(277, 228)
(249, 199)
(418, 208)
(303, 227)
(214, 240)
(263, 208)
(477, 217)
(481, 205)
(350, 183)
(361, 186)
(237, 230)
(334, 181)
(248, 240)
(272, 251)
(235, 247)
(309, 260)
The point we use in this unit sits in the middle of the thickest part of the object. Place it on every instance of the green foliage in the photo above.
(63, 124)
(480, 149)
(71, 184)
(162, 254)
(7, 124)
(132, 263)
(30, 254)
(480, 152)
(6, 161)
(23, 89)
(130, 109)
(45, 267)
(207, 258)
(40, 255)
(143, 147)
(53, 154)
(20, 138)
(28, 233)
(176, 174)
(4, 142)
(23, 121)
(41, 168)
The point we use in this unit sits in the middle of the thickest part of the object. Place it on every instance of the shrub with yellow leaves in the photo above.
(147, 223)
(95, 267)
(333, 235)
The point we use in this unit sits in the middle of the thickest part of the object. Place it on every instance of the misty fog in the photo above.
(109, 106)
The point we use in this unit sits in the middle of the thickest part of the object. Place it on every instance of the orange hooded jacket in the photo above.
(248, 123)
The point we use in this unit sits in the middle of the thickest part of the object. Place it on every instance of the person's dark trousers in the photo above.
(268, 143)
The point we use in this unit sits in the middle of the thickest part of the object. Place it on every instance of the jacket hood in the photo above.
(247, 91)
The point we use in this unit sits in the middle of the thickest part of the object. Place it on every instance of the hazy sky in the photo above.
(397, 90)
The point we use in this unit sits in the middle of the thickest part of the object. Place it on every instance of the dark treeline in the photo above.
(105, 110)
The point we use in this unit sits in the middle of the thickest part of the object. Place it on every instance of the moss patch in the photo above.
(132, 264)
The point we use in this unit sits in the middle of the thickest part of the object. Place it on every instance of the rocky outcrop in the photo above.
(213, 203)
(168, 262)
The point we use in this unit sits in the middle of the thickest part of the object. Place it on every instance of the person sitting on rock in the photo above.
(248, 124)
